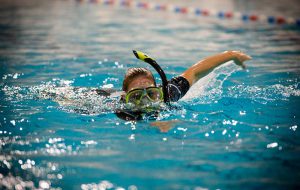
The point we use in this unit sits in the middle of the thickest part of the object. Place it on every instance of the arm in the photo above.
(205, 66)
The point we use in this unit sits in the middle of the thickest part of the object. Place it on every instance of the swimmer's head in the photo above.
(140, 88)
(138, 78)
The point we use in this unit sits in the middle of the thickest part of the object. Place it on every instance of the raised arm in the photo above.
(205, 66)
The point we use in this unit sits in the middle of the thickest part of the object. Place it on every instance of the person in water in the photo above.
(140, 88)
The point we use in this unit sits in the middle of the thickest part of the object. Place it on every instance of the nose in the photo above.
(145, 100)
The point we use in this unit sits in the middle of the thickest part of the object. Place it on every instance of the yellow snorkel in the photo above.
(144, 57)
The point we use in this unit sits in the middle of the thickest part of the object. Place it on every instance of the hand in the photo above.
(239, 58)
(164, 126)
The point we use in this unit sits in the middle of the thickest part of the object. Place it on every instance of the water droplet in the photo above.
(182, 129)
(132, 137)
(132, 187)
(15, 76)
(224, 132)
(59, 176)
(242, 112)
(294, 127)
(272, 145)
(13, 122)
(44, 184)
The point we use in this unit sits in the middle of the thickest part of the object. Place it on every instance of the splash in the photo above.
(268, 93)
(210, 88)
(81, 100)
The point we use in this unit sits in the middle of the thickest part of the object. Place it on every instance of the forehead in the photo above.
(140, 82)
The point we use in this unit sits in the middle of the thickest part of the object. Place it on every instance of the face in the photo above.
(140, 82)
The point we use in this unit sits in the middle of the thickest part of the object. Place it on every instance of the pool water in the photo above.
(235, 129)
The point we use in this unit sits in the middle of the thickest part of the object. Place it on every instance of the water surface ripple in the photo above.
(235, 129)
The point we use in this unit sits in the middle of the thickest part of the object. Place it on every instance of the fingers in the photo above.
(240, 63)
(243, 66)
(239, 58)
(242, 56)
(245, 56)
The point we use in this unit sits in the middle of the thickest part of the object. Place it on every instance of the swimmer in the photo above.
(140, 88)
(141, 97)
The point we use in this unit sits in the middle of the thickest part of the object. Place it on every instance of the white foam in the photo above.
(108, 86)
(210, 86)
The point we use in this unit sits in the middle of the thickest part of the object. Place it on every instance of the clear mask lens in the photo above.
(136, 96)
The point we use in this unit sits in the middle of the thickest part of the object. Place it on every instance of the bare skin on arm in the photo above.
(205, 66)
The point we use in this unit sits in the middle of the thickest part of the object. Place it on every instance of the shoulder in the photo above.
(179, 80)
(178, 87)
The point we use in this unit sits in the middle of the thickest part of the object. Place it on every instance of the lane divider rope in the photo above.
(223, 15)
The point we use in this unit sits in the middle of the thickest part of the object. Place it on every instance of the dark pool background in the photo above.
(236, 129)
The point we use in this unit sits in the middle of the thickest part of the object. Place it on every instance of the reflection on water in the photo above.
(234, 129)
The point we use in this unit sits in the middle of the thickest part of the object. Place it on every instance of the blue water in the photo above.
(235, 129)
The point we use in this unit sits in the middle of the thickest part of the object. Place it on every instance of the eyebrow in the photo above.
(152, 85)
(142, 88)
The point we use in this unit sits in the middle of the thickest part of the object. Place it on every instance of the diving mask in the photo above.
(135, 96)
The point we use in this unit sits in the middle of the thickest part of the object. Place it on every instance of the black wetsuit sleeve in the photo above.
(177, 88)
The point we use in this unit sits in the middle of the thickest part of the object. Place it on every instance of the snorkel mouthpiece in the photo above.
(144, 57)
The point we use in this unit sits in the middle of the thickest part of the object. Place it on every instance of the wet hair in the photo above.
(134, 72)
